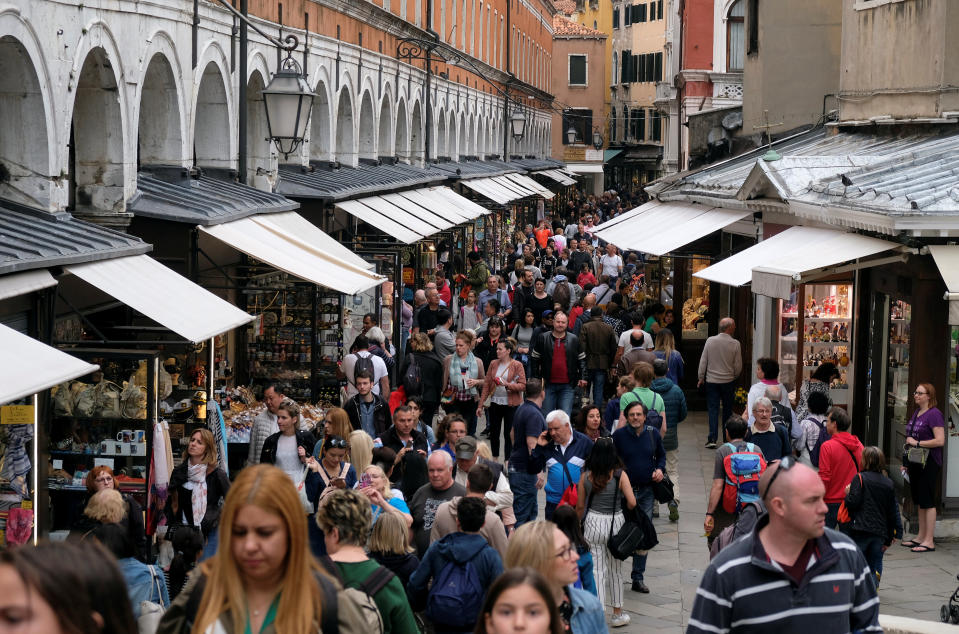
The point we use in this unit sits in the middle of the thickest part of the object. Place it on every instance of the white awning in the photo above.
(28, 366)
(775, 263)
(947, 259)
(413, 215)
(659, 228)
(163, 295)
(557, 176)
(585, 168)
(22, 283)
(494, 190)
(300, 248)
(529, 184)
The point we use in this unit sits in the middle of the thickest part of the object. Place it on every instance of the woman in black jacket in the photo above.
(197, 489)
(289, 447)
(871, 502)
(431, 375)
(102, 477)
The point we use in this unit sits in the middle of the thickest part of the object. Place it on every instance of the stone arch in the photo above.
(211, 120)
(439, 143)
(345, 138)
(161, 43)
(416, 133)
(453, 137)
(482, 133)
(367, 128)
(96, 163)
(159, 122)
(26, 145)
(321, 128)
(385, 138)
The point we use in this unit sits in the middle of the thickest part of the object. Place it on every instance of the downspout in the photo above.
(680, 87)
(429, 81)
(509, 71)
(241, 110)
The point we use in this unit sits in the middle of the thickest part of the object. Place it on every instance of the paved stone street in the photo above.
(913, 585)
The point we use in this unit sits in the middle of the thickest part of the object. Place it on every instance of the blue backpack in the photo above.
(456, 597)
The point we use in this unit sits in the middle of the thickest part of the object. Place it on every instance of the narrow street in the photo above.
(913, 585)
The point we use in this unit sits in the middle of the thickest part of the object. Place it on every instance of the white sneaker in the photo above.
(619, 620)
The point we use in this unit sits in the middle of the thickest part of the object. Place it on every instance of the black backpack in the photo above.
(413, 378)
(364, 364)
(823, 437)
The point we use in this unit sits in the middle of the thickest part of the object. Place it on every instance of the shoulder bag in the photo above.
(662, 490)
(628, 539)
(842, 515)
(916, 455)
(570, 493)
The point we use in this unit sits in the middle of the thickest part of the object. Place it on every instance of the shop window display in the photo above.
(826, 324)
(696, 305)
(898, 397)
(950, 409)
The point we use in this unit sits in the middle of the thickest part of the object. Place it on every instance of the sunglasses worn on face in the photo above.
(785, 464)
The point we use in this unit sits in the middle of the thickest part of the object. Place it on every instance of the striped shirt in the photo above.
(743, 591)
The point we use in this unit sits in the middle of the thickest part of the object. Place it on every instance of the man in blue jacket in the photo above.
(562, 452)
(674, 402)
(466, 547)
(640, 447)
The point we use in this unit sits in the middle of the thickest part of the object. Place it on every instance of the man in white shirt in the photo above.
(625, 343)
(381, 380)
(611, 263)
(264, 425)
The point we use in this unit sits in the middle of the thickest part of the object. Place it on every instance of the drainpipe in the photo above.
(509, 71)
(241, 137)
(429, 82)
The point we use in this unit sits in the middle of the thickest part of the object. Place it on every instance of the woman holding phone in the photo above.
(329, 473)
(376, 487)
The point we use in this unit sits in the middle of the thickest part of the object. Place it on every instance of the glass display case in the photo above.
(898, 398)
(104, 418)
(826, 327)
(695, 307)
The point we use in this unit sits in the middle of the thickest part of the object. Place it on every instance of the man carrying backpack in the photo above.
(462, 566)
(718, 513)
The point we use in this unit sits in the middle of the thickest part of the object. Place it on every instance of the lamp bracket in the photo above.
(288, 43)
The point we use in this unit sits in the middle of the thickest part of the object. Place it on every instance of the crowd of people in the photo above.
(416, 506)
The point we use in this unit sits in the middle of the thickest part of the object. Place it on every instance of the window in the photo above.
(577, 70)
(615, 74)
(581, 120)
(656, 126)
(753, 47)
(659, 10)
(650, 67)
(616, 18)
(639, 13)
(735, 34)
(658, 67)
(612, 126)
(624, 68)
(627, 15)
(637, 124)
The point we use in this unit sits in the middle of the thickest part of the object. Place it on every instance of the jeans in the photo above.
(524, 496)
(871, 547)
(212, 541)
(715, 392)
(467, 409)
(558, 396)
(550, 508)
(831, 514)
(500, 417)
(644, 502)
(598, 379)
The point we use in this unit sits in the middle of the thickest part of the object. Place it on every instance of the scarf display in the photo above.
(196, 475)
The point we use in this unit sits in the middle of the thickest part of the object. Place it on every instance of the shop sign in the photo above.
(16, 415)
(409, 276)
(577, 154)
(594, 155)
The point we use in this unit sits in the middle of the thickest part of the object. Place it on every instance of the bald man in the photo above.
(791, 573)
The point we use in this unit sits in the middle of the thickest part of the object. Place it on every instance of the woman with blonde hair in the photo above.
(386, 501)
(666, 350)
(390, 546)
(542, 546)
(197, 489)
(101, 477)
(361, 449)
(263, 579)
(337, 423)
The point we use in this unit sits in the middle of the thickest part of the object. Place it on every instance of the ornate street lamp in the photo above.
(597, 139)
(571, 135)
(517, 122)
(288, 101)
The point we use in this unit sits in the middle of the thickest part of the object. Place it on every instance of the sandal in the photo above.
(924, 549)
(910, 544)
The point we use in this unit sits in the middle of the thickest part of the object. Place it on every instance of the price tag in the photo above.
(57, 464)
(27, 504)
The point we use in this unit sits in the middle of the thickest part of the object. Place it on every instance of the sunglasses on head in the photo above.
(336, 443)
(785, 464)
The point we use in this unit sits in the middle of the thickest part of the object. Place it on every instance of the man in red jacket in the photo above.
(839, 460)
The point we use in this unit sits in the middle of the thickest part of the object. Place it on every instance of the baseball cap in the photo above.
(465, 447)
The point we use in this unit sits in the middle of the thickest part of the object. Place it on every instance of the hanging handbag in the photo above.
(570, 493)
(842, 515)
(916, 455)
(627, 540)
(662, 490)
(301, 492)
(151, 612)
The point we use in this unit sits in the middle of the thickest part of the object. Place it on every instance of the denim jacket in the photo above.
(142, 585)
(588, 615)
